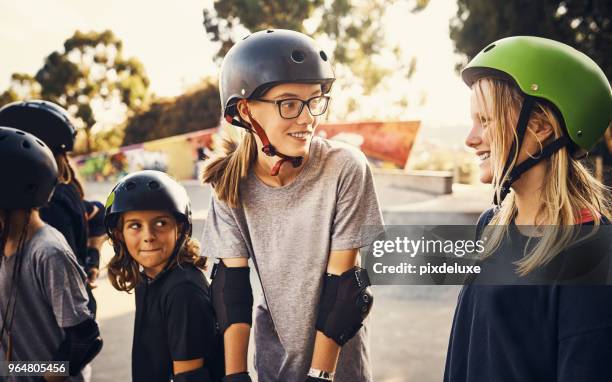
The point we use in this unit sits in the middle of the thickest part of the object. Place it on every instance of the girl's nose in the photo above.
(474, 138)
(149, 235)
(305, 118)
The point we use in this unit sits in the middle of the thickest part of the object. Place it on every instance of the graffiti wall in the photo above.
(175, 155)
(386, 144)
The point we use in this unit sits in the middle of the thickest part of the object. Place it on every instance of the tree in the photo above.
(198, 109)
(21, 86)
(88, 77)
(354, 29)
(584, 24)
(92, 70)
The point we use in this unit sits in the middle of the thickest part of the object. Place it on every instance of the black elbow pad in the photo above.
(346, 301)
(81, 345)
(232, 295)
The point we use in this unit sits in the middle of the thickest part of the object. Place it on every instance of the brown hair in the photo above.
(234, 156)
(66, 173)
(124, 271)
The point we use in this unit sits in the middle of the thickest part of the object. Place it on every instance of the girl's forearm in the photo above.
(326, 350)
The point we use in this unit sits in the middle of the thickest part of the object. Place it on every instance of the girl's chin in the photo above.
(486, 178)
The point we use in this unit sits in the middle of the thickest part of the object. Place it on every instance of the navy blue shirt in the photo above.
(174, 322)
(66, 213)
(529, 333)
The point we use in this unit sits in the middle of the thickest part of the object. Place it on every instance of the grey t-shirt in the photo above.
(51, 296)
(289, 231)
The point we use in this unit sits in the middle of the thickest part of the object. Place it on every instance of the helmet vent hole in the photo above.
(20, 132)
(323, 55)
(298, 56)
(40, 143)
(488, 48)
(269, 31)
(26, 144)
(153, 185)
(130, 186)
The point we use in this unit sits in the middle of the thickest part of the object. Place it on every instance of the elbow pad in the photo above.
(346, 301)
(232, 296)
(81, 345)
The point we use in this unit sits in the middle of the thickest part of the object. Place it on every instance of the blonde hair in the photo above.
(236, 152)
(568, 190)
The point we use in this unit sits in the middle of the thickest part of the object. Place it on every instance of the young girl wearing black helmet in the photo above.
(537, 104)
(148, 218)
(295, 204)
(43, 302)
(66, 211)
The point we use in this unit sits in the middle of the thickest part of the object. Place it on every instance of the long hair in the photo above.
(66, 173)
(568, 191)
(124, 272)
(231, 163)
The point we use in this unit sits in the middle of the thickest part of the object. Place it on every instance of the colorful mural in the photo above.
(386, 144)
(175, 155)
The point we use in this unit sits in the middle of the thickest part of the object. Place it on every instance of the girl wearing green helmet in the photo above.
(536, 105)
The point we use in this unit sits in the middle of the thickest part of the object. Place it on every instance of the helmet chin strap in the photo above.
(268, 148)
(512, 174)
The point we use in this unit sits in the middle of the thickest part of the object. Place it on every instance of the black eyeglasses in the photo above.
(290, 108)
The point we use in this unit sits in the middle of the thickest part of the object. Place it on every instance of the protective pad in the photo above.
(232, 295)
(80, 346)
(346, 301)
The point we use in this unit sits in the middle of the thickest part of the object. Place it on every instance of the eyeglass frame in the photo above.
(304, 102)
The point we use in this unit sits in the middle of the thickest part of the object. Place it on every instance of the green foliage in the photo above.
(221, 22)
(21, 86)
(354, 27)
(90, 70)
(583, 24)
(196, 110)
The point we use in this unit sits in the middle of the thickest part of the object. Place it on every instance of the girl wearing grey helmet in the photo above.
(294, 204)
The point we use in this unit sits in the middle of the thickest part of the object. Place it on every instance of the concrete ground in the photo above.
(410, 325)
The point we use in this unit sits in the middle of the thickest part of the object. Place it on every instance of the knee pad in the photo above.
(232, 295)
(346, 301)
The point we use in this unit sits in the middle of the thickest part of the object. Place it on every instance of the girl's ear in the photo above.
(242, 107)
(542, 130)
(118, 235)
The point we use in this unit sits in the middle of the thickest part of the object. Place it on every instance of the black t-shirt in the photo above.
(66, 213)
(530, 333)
(174, 321)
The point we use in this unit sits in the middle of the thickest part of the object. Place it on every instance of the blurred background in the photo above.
(140, 78)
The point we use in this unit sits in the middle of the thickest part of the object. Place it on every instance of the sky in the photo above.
(169, 39)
